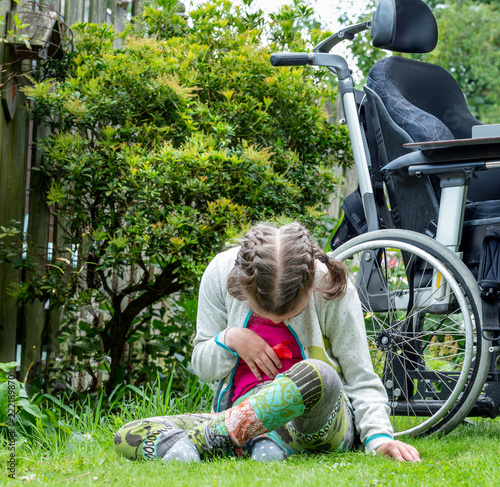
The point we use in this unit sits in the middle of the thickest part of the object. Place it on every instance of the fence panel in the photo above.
(74, 11)
(30, 329)
(98, 12)
(55, 4)
(13, 129)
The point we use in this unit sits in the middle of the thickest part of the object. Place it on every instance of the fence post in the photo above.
(98, 12)
(120, 20)
(113, 6)
(137, 7)
(55, 4)
(34, 315)
(74, 11)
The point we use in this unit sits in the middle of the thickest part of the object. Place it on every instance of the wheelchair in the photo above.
(421, 235)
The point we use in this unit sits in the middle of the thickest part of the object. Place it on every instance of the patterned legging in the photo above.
(302, 410)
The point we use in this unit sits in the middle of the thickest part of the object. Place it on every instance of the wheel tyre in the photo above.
(476, 355)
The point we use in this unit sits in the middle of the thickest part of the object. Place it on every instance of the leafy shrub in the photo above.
(21, 418)
(162, 151)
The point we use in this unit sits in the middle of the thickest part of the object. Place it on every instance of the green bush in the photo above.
(21, 418)
(162, 151)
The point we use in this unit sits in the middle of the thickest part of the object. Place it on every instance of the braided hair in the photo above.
(275, 268)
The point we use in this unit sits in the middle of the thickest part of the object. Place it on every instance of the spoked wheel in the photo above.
(422, 317)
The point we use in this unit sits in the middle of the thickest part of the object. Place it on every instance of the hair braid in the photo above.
(276, 269)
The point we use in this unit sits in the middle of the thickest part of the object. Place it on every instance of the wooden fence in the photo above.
(26, 331)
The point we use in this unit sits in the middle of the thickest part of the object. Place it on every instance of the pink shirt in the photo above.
(273, 334)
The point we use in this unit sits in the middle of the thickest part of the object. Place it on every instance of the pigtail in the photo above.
(334, 285)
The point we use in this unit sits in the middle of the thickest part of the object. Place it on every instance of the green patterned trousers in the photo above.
(302, 410)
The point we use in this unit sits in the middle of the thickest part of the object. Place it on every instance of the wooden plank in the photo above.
(12, 191)
(98, 11)
(55, 4)
(53, 318)
(11, 204)
(74, 11)
(34, 315)
(120, 18)
(137, 7)
(349, 184)
(113, 7)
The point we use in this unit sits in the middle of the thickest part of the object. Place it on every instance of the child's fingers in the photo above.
(266, 364)
(399, 451)
(275, 360)
(255, 351)
(255, 370)
(413, 452)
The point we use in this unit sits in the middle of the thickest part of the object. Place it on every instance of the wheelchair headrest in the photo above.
(404, 26)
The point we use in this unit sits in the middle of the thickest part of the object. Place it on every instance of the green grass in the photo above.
(467, 456)
(470, 455)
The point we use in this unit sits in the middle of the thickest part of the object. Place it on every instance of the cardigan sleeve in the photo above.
(346, 331)
(212, 359)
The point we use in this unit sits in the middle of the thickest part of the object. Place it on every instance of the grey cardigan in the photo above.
(329, 330)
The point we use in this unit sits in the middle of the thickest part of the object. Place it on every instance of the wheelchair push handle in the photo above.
(291, 58)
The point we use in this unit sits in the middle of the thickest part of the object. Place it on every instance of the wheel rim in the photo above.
(421, 346)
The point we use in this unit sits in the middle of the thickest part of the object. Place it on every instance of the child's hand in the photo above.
(400, 451)
(254, 350)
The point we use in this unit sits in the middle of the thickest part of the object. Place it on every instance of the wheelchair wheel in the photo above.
(422, 316)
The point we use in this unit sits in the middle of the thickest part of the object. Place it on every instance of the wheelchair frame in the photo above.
(426, 395)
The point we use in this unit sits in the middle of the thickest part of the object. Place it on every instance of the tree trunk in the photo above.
(117, 330)
(114, 338)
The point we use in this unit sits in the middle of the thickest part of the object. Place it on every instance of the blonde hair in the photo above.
(275, 268)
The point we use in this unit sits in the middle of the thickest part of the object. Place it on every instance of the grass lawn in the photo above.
(470, 455)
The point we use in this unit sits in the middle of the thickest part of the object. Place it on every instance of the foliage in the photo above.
(50, 422)
(160, 397)
(468, 48)
(21, 418)
(157, 347)
(18, 25)
(469, 456)
(162, 151)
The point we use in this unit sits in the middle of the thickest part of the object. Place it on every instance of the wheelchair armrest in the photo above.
(469, 154)
(471, 143)
(441, 162)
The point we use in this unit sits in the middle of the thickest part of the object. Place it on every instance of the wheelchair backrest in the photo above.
(423, 99)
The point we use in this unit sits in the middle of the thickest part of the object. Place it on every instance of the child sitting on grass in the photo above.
(281, 328)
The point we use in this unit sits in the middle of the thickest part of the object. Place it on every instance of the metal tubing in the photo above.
(361, 160)
(451, 210)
